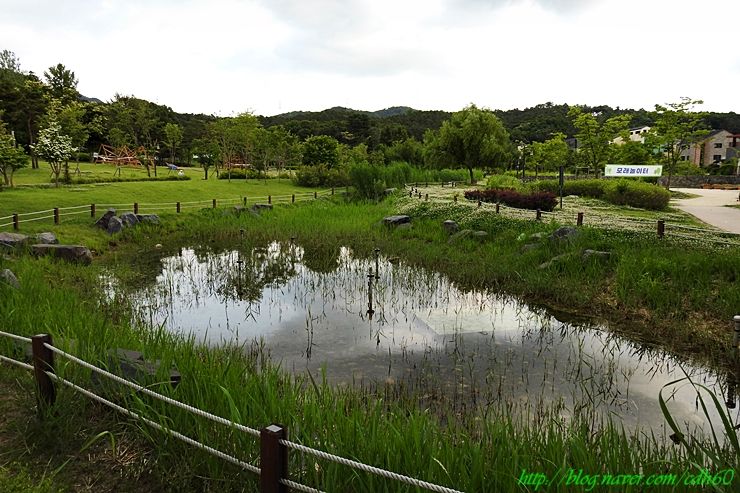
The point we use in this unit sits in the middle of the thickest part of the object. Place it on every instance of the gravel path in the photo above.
(710, 207)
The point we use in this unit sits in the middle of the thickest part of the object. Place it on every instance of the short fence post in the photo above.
(273, 459)
(661, 228)
(316, 195)
(411, 193)
(178, 207)
(214, 203)
(332, 190)
(736, 340)
(269, 199)
(292, 198)
(426, 196)
(538, 217)
(136, 207)
(498, 207)
(56, 215)
(579, 219)
(454, 199)
(16, 225)
(43, 361)
(92, 210)
(479, 204)
(245, 201)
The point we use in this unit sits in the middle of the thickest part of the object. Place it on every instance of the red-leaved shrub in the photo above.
(544, 201)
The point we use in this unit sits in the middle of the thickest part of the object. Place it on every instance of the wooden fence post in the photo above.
(136, 207)
(316, 195)
(498, 207)
(92, 210)
(43, 361)
(332, 190)
(292, 198)
(16, 223)
(426, 196)
(273, 459)
(214, 203)
(178, 207)
(579, 219)
(538, 217)
(56, 215)
(455, 198)
(661, 228)
(269, 199)
(245, 201)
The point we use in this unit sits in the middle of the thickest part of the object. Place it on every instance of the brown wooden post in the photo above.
(454, 198)
(292, 198)
(214, 203)
(136, 207)
(16, 224)
(269, 199)
(273, 459)
(426, 196)
(579, 219)
(316, 195)
(92, 210)
(245, 201)
(43, 361)
(539, 215)
(479, 204)
(178, 207)
(56, 215)
(332, 190)
(661, 228)
(411, 193)
(498, 208)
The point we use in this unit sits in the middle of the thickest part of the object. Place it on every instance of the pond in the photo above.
(412, 330)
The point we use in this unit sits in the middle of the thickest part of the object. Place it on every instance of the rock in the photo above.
(75, 254)
(134, 367)
(238, 209)
(460, 235)
(128, 219)
(9, 278)
(158, 246)
(102, 223)
(480, 234)
(403, 226)
(530, 246)
(47, 239)
(396, 220)
(596, 254)
(451, 226)
(261, 207)
(389, 191)
(537, 236)
(554, 260)
(565, 233)
(148, 218)
(115, 225)
(13, 240)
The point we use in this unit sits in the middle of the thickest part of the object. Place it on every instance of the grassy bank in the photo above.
(657, 290)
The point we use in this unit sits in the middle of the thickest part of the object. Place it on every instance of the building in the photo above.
(636, 134)
(718, 146)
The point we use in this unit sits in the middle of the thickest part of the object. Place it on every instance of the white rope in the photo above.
(35, 212)
(3, 225)
(74, 207)
(299, 486)
(16, 337)
(35, 219)
(179, 436)
(72, 213)
(6, 217)
(151, 393)
(364, 467)
(17, 363)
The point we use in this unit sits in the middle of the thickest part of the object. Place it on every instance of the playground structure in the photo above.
(123, 156)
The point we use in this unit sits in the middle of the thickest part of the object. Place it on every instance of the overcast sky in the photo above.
(273, 56)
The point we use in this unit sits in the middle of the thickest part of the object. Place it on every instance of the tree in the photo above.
(321, 149)
(173, 138)
(62, 83)
(12, 157)
(474, 138)
(54, 146)
(596, 134)
(551, 154)
(208, 154)
(71, 119)
(676, 127)
(632, 152)
(8, 61)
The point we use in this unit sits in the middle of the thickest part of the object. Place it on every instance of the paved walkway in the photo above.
(709, 207)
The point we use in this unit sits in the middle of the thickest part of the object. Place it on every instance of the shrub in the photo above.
(83, 157)
(368, 180)
(321, 176)
(544, 201)
(241, 174)
(637, 194)
(505, 181)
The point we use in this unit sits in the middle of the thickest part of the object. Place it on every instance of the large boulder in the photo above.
(128, 219)
(596, 255)
(451, 226)
(464, 233)
(480, 235)
(13, 240)
(396, 221)
(102, 223)
(47, 238)
(75, 254)
(565, 233)
(115, 225)
(148, 218)
(261, 207)
(8, 277)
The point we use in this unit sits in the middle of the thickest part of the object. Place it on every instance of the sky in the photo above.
(225, 57)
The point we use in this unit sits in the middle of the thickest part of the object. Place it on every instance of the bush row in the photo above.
(544, 201)
(619, 192)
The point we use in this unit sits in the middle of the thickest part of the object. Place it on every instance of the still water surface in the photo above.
(425, 334)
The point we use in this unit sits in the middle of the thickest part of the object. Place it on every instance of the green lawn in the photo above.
(29, 196)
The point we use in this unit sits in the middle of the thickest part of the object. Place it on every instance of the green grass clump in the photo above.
(619, 192)
(506, 181)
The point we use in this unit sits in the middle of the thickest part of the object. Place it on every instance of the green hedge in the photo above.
(619, 192)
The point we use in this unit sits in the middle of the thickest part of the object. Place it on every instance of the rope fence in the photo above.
(57, 214)
(274, 445)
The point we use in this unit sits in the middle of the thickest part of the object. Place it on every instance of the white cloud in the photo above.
(226, 56)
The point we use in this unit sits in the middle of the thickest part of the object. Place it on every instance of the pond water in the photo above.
(424, 335)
